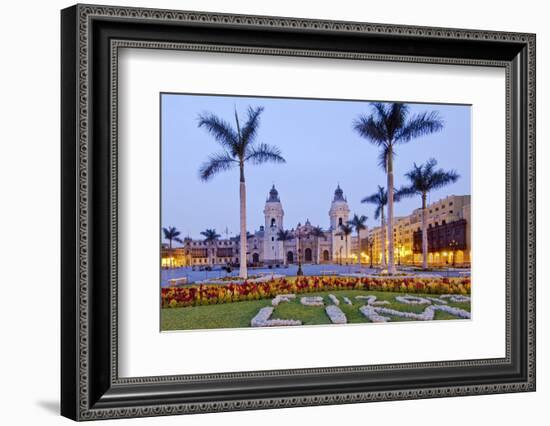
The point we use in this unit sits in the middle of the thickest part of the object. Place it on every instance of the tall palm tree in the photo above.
(210, 237)
(358, 223)
(387, 126)
(380, 200)
(239, 148)
(172, 234)
(318, 233)
(423, 179)
(345, 230)
(284, 235)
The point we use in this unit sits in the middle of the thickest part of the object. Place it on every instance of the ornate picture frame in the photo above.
(90, 39)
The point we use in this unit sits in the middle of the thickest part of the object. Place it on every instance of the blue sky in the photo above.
(321, 150)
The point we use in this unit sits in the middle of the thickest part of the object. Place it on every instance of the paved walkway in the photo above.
(290, 270)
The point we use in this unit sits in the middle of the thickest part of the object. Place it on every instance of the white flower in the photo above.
(312, 301)
(336, 315)
(412, 300)
(334, 299)
(262, 319)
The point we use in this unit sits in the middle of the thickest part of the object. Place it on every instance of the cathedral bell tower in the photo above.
(273, 213)
(339, 215)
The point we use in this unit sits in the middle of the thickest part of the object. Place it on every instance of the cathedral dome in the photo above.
(339, 195)
(273, 196)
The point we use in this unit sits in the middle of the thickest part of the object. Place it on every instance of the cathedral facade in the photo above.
(267, 246)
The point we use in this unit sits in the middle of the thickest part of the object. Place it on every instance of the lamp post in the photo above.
(299, 234)
(371, 244)
(453, 245)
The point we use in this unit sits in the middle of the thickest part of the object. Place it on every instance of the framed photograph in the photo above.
(263, 212)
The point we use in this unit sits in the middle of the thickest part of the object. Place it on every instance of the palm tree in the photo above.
(318, 233)
(423, 179)
(284, 235)
(239, 148)
(210, 236)
(346, 231)
(358, 222)
(388, 126)
(172, 234)
(380, 200)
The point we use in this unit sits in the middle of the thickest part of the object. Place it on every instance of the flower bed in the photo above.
(199, 295)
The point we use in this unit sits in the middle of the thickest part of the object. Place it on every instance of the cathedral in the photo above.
(267, 246)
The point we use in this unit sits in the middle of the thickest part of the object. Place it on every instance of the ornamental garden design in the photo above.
(252, 235)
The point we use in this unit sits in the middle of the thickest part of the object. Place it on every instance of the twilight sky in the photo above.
(321, 150)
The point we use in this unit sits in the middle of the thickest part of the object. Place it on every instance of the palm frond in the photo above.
(425, 178)
(420, 125)
(358, 222)
(264, 153)
(250, 129)
(404, 192)
(216, 163)
(170, 233)
(370, 129)
(380, 197)
(318, 232)
(284, 235)
(345, 229)
(442, 178)
(210, 235)
(220, 130)
(396, 118)
(378, 211)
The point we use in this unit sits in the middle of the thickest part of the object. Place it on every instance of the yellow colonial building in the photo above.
(449, 240)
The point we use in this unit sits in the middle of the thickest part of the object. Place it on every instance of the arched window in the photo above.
(325, 256)
(272, 222)
(340, 221)
(308, 255)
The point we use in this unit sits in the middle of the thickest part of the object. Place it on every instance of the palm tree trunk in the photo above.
(243, 273)
(346, 245)
(347, 253)
(370, 253)
(383, 238)
(171, 258)
(391, 264)
(424, 233)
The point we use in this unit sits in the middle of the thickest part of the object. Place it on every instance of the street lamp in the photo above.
(370, 243)
(453, 246)
(299, 234)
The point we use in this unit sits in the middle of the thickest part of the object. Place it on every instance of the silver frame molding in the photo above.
(91, 39)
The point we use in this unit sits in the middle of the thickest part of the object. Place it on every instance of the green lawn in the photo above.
(239, 314)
